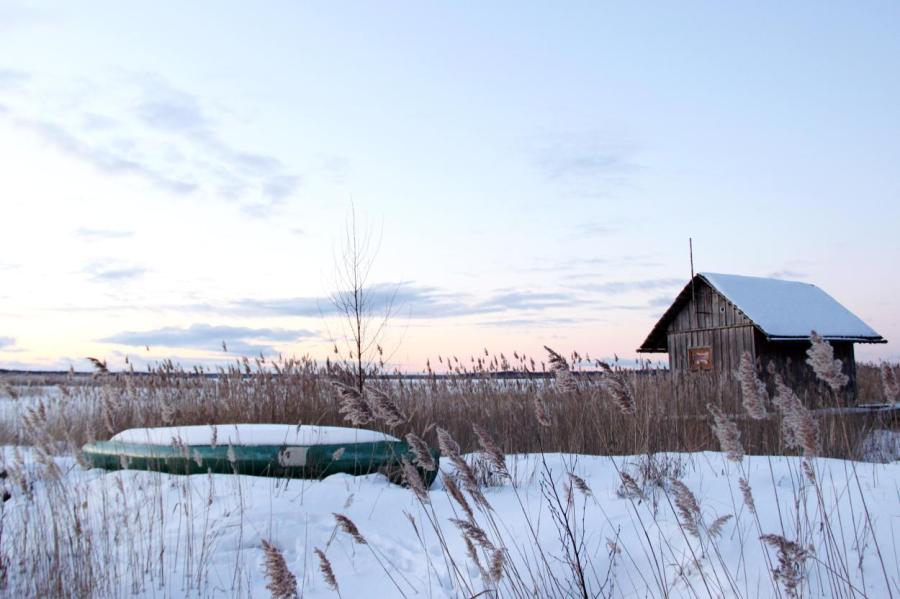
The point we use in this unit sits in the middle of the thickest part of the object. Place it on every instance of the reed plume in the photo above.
(540, 412)
(753, 391)
(791, 558)
(580, 484)
(167, 412)
(414, 481)
(385, 408)
(472, 552)
(498, 560)
(807, 468)
(491, 450)
(469, 480)
(347, 525)
(747, 494)
(727, 433)
(353, 404)
(889, 383)
(99, 365)
(449, 447)
(715, 529)
(282, 582)
(326, 569)
(455, 492)
(798, 425)
(820, 356)
(630, 487)
(421, 454)
(565, 380)
(8, 390)
(474, 532)
(688, 507)
(617, 387)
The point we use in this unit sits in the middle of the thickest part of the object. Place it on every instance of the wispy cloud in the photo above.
(583, 268)
(536, 322)
(662, 301)
(241, 340)
(164, 107)
(596, 229)
(7, 342)
(407, 300)
(98, 122)
(102, 157)
(13, 79)
(618, 287)
(261, 180)
(413, 301)
(291, 306)
(89, 234)
(113, 272)
(583, 163)
(527, 300)
(164, 136)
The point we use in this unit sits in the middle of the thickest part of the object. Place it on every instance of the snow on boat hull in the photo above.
(290, 461)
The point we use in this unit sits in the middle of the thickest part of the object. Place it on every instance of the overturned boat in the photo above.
(278, 450)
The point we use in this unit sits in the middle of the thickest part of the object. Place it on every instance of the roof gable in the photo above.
(782, 310)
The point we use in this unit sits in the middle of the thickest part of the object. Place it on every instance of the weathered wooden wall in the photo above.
(710, 321)
(789, 358)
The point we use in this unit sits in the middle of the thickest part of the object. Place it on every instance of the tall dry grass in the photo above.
(814, 541)
(603, 410)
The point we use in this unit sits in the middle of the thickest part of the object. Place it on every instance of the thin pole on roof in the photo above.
(693, 291)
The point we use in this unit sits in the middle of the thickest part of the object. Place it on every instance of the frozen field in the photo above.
(143, 534)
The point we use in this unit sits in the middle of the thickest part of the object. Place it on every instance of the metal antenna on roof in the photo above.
(693, 291)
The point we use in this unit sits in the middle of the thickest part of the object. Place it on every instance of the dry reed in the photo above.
(753, 391)
(326, 570)
(820, 357)
(282, 582)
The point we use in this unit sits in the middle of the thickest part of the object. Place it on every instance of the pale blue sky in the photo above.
(181, 172)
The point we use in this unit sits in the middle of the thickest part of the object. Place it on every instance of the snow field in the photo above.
(157, 535)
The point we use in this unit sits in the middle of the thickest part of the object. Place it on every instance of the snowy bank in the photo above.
(154, 534)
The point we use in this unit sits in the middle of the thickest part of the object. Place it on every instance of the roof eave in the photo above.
(852, 339)
(660, 327)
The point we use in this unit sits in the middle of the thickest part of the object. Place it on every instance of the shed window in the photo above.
(700, 358)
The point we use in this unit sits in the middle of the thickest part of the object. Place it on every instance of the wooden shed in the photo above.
(718, 317)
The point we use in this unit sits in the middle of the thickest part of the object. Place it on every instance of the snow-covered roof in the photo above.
(782, 310)
(789, 308)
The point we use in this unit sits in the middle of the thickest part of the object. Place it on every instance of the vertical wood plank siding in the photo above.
(709, 319)
(719, 325)
(704, 318)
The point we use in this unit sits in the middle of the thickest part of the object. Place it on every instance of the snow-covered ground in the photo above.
(13, 408)
(156, 535)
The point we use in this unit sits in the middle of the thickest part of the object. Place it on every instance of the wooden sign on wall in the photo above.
(700, 358)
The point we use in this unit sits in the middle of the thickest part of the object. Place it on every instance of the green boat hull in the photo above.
(311, 461)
